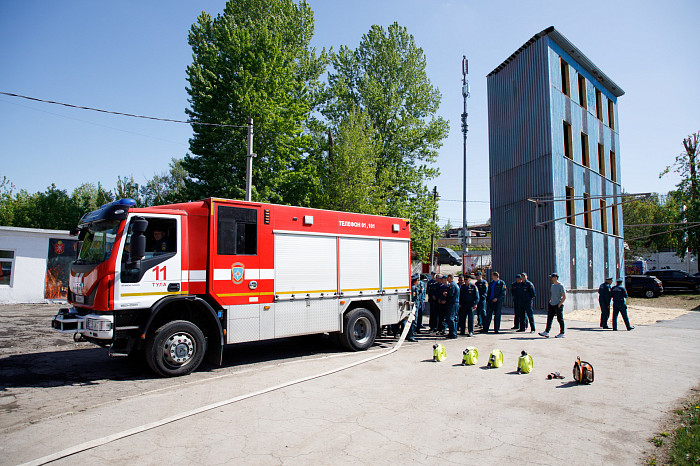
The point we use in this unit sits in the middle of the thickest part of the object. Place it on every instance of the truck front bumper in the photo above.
(90, 325)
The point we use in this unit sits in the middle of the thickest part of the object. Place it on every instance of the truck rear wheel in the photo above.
(177, 348)
(360, 330)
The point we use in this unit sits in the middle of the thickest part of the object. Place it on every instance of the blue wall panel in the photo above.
(526, 159)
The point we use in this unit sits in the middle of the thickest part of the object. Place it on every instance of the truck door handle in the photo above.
(173, 287)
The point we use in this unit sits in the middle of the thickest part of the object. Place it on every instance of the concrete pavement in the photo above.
(404, 408)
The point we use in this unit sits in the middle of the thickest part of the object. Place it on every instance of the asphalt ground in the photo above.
(401, 408)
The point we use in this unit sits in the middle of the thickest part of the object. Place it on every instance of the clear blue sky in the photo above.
(130, 56)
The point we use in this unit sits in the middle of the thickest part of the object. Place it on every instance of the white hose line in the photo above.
(152, 425)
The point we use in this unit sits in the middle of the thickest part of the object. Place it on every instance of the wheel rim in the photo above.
(179, 348)
(362, 330)
(650, 294)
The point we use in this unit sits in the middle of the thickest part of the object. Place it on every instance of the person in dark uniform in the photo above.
(481, 285)
(604, 296)
(160, 241)
(451, 307)
(619, 293)
(460, 285)
(433, 286)
(442, 305)
(495, 296)
(527, 294)
(415, 293)
(468, 301)
(517, 304)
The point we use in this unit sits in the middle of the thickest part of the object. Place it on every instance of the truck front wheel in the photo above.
(177, 348)
(360, 330)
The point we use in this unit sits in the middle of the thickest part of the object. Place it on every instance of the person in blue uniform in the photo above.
(619, 293)
(604, 296)
(494, 302)
(421, 301)
(527, 294)
(160, 241)
(468, 300)
(433, 287)
(515, 291)
(451, 307)
(481, 285)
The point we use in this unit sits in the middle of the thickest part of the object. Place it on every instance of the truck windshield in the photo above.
(98, 242)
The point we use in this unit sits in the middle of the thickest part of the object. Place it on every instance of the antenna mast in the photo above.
(465, 127)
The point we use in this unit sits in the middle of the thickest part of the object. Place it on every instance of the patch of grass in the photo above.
(678, 439)
(686, 442)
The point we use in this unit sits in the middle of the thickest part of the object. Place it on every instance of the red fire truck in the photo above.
(177, 282)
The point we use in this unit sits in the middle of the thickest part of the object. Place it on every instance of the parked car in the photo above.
(676, 279)
(449, 256)
(644, 285)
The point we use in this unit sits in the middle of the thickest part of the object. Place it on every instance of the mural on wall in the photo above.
(60, 255)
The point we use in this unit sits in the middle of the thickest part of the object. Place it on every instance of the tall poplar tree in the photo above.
(386, 77)
(686, 197)
(351, 184)
(252, 61)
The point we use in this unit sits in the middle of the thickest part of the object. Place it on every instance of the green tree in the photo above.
(166, 188)
(55, 210)
(52, 209)
(128, 188)
(253, 61)
(88, 197)
(6, 202)
(654, 210)
(352, 184)
(686, 198)
(24, 210)
(386, 77)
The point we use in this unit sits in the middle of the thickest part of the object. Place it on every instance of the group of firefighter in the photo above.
(453, 306)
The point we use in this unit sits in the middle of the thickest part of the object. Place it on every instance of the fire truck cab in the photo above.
(175, 283)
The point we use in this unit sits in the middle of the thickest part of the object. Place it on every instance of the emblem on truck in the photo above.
(237, 272)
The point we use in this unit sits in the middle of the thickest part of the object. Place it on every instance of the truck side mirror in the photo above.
(138, 239)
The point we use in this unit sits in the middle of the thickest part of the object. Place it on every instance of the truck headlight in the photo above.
(98, 325)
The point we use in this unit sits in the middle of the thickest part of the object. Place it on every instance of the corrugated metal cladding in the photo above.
(526, 160)
(520, 167)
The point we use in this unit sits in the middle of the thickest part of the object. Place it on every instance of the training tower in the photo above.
(554, 166)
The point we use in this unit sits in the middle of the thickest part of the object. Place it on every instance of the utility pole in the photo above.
(432, 236)
(465, 94)
(249, 165)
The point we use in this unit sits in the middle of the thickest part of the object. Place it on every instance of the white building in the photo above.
(25, 256)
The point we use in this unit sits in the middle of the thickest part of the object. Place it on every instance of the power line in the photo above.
(189, 122)
(91, 122)
(457, 200)
(688, 227)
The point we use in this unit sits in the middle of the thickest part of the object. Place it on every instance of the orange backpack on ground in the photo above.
(583, 371)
